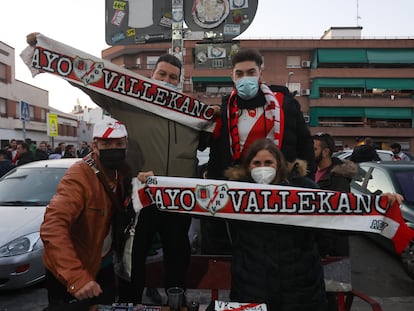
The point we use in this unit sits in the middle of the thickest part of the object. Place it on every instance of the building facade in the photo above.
(348, 86)
(12, 91)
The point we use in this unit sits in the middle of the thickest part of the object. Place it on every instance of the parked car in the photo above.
(24, 193)
(395, 177)
(385, 155)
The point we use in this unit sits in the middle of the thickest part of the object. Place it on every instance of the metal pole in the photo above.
(24, 129)
(288, 81)
(177, 34)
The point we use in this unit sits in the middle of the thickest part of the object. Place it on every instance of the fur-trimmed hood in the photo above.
(344, 168)
(298, 168)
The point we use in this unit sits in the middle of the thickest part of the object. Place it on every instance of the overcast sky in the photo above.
(81, 24)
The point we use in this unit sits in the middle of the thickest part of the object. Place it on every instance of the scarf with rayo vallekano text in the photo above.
(108, 79)
(275, 204)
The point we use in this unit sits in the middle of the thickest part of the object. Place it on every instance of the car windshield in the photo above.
(405, 180)
(30, 186)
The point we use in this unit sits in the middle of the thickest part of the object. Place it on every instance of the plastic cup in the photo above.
(175, 298)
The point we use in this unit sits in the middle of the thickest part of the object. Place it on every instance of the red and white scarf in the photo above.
(108, 79)
(273, 123)
(275, 204)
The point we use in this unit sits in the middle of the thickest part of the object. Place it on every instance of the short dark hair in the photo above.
(368, 141)
(170, 59)
(326, 141)
(247, 55)
(24, 145)
(4, 153)
(396, 146)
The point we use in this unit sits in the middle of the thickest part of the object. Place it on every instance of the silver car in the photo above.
(385, 155)
(24, 193)
(393, 177)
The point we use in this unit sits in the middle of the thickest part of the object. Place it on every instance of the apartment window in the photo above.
(294, 87)
(293, 62)
(151, 61)
(32, 113)
(42, 114)
(3, 72)
(3, 107)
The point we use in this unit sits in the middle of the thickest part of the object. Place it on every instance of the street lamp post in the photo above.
(288, 80)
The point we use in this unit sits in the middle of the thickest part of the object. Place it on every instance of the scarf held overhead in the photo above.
(275, 204)
(108, 79)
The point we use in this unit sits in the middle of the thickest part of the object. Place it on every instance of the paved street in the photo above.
(374, 272)
(380, 275)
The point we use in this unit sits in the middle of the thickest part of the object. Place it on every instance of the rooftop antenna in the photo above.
(357, 13)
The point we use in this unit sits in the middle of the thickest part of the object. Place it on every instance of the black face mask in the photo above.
(112, 158)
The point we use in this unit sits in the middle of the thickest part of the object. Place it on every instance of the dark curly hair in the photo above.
(247, 55)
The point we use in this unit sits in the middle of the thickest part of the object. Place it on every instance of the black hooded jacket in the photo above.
(337, 178)
(297, 141)
(339, 175)
(276, 264)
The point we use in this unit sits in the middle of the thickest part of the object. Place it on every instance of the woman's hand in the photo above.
(142, 176)
(392, 197)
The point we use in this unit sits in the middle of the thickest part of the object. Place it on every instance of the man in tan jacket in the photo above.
(78, 220)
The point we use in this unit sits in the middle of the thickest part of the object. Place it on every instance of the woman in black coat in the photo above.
(275, 264)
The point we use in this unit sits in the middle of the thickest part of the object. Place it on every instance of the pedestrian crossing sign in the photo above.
(52, 125)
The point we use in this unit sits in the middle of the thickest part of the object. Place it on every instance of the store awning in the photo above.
(342, 56)
(390, 84)
(390, 56)
(338, 111)
(335, 82)
(369, 84)
(212, 79)
(339, 82)
(388, 113)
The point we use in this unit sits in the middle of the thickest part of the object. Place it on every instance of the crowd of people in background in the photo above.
(21, 152)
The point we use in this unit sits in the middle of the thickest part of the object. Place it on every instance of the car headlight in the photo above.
(21, 245)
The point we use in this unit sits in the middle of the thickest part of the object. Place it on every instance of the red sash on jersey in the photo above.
(274, 122)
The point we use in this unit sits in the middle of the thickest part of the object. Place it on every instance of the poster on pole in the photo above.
(137, 21)
(52, 125)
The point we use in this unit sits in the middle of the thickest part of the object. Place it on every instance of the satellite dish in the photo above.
(202, 57)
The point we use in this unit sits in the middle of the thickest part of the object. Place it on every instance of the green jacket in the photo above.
(154, 143)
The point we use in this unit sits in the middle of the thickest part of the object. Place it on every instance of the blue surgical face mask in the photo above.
(169, 85)
(247, 87)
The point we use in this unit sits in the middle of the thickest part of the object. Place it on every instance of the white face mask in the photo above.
(263, 174)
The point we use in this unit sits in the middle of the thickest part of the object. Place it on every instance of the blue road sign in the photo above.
(24, 111)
